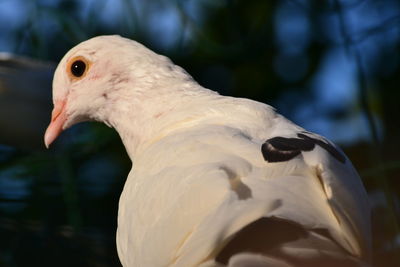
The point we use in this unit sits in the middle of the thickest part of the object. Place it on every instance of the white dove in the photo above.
(216, 180)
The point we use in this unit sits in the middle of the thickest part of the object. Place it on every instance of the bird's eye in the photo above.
(78, 68)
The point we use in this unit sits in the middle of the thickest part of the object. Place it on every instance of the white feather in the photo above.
(199, 176)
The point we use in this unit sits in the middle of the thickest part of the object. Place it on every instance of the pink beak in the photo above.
(58, 118)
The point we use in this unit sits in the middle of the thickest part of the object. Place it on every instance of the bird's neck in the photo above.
(142, 119)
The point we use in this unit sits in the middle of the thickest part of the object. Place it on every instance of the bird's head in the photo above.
(94, 75)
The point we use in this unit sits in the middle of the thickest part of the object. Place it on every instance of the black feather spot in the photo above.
(271, 154)
(286, 144)
(278, 149)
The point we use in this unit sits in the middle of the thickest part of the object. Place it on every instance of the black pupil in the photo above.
(78, 68)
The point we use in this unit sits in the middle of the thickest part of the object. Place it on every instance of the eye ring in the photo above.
(78, 67)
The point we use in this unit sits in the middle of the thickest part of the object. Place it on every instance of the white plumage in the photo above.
(216, 180)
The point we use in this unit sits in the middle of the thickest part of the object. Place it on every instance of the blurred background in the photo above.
(331, 66)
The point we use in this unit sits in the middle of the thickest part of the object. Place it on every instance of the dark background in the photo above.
(330, 66)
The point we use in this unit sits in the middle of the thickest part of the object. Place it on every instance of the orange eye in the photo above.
(78, 67)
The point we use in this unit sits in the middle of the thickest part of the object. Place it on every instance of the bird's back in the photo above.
(242, 186)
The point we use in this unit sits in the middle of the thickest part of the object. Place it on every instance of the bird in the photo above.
(215, 180)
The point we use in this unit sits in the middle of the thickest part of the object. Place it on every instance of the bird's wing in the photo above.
(211, 192)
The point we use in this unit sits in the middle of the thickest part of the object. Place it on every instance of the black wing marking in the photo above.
(278, 149)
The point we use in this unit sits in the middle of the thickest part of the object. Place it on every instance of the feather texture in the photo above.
(216, 181)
